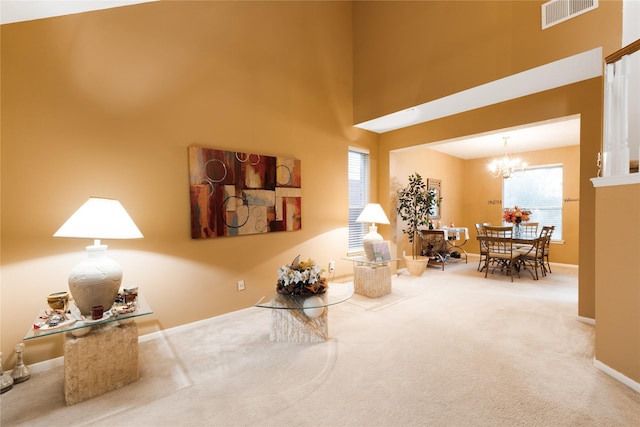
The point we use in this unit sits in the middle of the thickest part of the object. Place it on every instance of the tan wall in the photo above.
(618, 279)
(106, 103)
(408, 53)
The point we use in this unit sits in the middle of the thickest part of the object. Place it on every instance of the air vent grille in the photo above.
(557, 11)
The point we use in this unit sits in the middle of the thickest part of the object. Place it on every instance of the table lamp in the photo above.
(373, 214)
(96, 280)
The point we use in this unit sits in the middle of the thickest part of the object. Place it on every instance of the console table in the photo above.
(303, 319)
(438, 244)
(99, 355)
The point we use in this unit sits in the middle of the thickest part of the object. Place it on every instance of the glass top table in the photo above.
(74, 321)
(363, 260)
(337, 293)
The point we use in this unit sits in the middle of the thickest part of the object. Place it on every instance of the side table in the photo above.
(371, 278)
(99, 355)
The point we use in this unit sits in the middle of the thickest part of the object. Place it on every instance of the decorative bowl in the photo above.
(58, 300)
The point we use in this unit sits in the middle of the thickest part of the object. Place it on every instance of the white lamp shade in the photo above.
(373, 213)
(100, 218)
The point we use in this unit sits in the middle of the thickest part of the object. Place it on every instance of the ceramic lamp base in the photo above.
(369, 238)
(95, 281)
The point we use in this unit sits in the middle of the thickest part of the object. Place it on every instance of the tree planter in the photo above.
(416, 266)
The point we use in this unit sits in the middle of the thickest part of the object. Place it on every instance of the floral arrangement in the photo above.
(516, 215)
(302, 278)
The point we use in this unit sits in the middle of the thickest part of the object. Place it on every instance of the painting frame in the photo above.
(235, 193)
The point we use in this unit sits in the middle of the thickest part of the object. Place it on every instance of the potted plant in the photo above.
(415, 204)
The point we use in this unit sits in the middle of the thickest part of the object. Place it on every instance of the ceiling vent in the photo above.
(557, 11)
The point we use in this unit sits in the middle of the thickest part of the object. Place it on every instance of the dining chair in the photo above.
(532, 258)
(482, 263)
(501, 253)
(547, 247)
(529, 229)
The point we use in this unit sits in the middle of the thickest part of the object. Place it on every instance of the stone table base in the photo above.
(372, 282)
(293, 325)
(101, 361)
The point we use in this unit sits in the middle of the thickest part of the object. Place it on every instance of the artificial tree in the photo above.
(415, 204)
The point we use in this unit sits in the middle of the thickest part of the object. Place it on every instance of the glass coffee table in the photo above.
(303, 319)
(337, 293)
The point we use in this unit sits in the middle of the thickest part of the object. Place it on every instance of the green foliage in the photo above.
(415, 204)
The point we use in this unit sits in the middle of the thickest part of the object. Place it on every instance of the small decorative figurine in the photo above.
(21, 372)
(5, 379)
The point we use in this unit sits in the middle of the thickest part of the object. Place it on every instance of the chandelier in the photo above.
(504, 166)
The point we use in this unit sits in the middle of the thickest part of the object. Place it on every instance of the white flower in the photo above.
(287, 274)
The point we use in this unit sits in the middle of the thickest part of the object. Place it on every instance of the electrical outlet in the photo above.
(332, 266)
(241, 285)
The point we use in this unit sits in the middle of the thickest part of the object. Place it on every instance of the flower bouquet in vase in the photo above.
(516, 216)
(303, 279)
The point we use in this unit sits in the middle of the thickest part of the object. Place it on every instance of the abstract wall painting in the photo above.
(235, 194)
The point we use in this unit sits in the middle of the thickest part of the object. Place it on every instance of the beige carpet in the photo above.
(448, 349)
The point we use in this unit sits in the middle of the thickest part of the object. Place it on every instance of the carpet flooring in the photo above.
(450, 348)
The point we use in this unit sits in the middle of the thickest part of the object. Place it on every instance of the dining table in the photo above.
(523, 240)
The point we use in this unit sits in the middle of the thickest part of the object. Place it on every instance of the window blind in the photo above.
(358, 196)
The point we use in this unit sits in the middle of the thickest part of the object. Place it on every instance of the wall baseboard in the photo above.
(170, 331)
(46, 365)
(617, 375)
(587, 320)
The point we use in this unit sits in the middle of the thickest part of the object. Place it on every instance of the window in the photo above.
(358, 196)
(540, 191)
